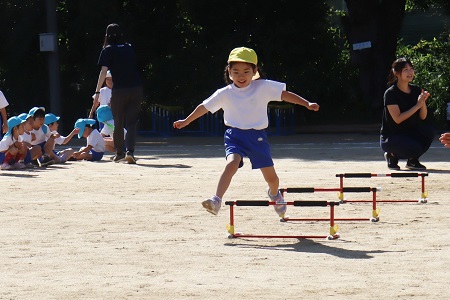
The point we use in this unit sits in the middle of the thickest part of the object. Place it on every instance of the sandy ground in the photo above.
(108, 230)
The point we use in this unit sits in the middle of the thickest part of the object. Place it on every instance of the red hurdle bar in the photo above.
(375, 211)
(333, 227)
(424, 194)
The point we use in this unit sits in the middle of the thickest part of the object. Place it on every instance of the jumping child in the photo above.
(244, 102)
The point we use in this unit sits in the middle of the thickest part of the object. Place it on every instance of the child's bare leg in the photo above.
(48, 148)
(85, 156)
(272, 179)
(35, 152)
(233, 161)
(109, 145)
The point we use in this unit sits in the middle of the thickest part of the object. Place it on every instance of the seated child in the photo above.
(34, 151)
(12, 150)
(95, 146)
(104, 115)
(40, 135)
(55, 138)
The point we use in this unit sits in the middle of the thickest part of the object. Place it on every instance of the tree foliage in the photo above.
(182, 47)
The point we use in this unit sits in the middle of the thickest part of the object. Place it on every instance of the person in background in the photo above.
(105, 117)
(104, 97)
(405, 132)
(95, 146)
(57, 139)
(12, 150)
(119, 57)
(3, 115)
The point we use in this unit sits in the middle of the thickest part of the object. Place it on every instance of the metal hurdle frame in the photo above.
(333, 227)
(423, 196)
(375, 211)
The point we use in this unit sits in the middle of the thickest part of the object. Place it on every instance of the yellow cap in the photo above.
(243, 54)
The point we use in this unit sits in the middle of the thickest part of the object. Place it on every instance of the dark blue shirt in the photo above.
(121, 61)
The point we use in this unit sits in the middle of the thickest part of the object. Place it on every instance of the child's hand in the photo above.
(76, 130)
(180, 124)
(5, 128)
(313, 106)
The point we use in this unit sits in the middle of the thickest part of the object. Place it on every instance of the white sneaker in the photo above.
(212, 204)
(6, 166)
(278, 198)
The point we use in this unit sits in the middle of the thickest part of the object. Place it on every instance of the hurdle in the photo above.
(375, 211)
(333, 227)
(423, 196)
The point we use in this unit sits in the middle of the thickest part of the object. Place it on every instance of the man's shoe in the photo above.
(129, 157)
(392, 162)
(414, 164)
(119, 157)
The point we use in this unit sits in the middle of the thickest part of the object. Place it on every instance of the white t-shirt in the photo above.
(108, 129)
(59, 140)
(26, 137)
(6, 142)
(3, 102)
(95, 140)
(104, 98)
(246, 108)
(41, 136)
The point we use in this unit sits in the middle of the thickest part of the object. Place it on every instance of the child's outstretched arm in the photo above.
(70, 136)
(296, 99)
(199, 111)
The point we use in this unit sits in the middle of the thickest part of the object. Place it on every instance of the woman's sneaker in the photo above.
(278, 198)
(414, 164)
(212, 205)
(392, 162)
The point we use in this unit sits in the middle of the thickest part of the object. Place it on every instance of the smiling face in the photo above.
(406, 74)
(241, 73)
(109, 82)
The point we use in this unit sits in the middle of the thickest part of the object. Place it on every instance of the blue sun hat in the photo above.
(34, 109)
(50, 118)
(13, 122)
(24, 116)
(81, 124)
(104, 113)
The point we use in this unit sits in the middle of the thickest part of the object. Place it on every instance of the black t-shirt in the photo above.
(121, 61)
(394, 95)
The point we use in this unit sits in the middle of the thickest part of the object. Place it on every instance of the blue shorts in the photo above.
(249, 143)
(96, 156)
(2, 157)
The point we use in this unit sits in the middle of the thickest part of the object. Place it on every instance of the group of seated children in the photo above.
(31, 139)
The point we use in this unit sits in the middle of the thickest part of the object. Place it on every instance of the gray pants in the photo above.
(125, 106)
